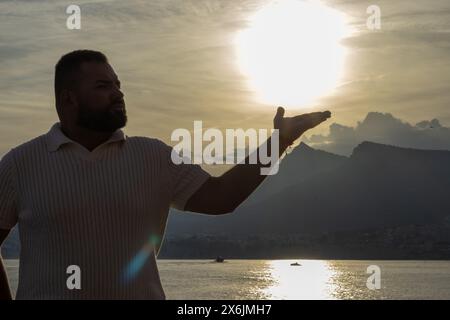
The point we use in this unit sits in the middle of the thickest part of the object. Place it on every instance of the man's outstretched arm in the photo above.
(220, 195)
(5, 292)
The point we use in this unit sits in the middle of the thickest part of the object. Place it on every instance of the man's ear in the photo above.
(68, 98)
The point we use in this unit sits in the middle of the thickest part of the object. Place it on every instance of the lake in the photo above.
(311, 279)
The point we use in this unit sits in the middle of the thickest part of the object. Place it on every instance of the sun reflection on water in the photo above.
(311, 280)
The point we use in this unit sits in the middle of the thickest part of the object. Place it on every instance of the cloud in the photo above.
(177, 63)
(174, 58)
(383, 128)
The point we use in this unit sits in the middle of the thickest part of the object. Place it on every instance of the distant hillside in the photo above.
(377, 187)
(299, 165)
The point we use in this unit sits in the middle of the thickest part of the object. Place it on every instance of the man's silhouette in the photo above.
(84, 194)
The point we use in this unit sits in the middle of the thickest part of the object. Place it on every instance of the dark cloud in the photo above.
(383, 128)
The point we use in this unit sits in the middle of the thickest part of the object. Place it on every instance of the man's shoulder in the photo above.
(22, 152)
(30, 146)
(148, 143)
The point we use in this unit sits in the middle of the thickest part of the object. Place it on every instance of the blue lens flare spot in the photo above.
(139, 260)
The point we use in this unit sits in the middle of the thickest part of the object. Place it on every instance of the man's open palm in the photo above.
(292, 128)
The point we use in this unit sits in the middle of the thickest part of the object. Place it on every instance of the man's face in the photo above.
(101, 106)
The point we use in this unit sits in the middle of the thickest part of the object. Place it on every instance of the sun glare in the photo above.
(311, 279)
(291, 52)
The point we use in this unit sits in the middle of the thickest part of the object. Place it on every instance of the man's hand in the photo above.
(220, 195)
(290, 129)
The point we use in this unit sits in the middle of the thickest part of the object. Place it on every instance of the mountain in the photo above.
(378, 186)
(300, 164)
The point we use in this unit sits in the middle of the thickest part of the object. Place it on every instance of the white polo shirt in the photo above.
(103, 211)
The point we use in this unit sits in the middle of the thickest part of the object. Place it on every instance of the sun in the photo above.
(291, 52)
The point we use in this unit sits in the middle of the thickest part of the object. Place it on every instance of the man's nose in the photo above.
(118, 93)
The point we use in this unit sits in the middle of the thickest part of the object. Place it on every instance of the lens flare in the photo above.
(139, 260)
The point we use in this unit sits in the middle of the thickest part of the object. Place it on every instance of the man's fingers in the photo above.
(313, 115)
(312, 119)
(326, 114)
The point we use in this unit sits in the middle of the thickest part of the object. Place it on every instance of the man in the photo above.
(86, 196)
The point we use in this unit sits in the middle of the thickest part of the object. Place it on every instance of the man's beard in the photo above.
(103, 121)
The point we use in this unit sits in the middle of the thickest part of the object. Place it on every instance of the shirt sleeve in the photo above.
(8, 192)
(184, 179)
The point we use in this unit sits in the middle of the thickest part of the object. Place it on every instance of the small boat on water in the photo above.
(220, 259)
(295, 264)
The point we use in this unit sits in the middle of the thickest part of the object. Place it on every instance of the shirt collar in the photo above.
(56, 138)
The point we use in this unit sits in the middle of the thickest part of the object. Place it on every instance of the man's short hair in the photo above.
(68, 67)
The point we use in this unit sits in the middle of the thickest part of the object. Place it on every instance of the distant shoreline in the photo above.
(287, 259)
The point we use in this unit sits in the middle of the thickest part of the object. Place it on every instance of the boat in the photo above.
(219, 259)
(295, 264)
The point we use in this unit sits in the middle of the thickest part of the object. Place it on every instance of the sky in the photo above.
(178, 62)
